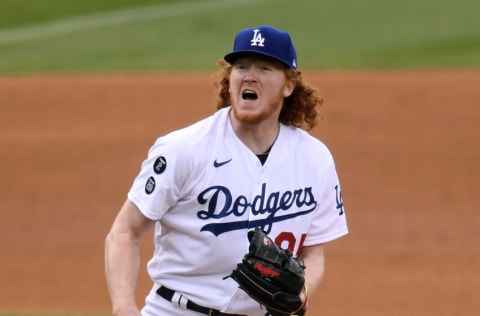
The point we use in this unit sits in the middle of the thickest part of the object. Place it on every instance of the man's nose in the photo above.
(250, 76)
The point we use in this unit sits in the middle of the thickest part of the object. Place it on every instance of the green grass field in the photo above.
(89, 36)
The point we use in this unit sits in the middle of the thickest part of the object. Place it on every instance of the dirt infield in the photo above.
(407, 146)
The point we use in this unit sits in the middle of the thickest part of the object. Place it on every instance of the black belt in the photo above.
(167, 294)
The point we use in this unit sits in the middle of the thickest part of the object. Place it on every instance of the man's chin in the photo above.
(247, 116)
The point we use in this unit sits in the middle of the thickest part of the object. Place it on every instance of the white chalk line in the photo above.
(118, 17)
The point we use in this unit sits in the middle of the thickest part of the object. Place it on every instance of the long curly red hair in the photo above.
(300, 109)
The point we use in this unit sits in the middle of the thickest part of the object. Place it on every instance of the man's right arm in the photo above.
(122, 258)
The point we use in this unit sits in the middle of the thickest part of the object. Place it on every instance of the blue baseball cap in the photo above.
(267, 41)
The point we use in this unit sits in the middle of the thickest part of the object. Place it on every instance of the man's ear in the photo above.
(289, 87)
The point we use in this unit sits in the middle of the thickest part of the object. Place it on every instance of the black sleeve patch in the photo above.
(160, 165)
(150, 185)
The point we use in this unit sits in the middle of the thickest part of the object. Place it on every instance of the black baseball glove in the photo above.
(271, 276)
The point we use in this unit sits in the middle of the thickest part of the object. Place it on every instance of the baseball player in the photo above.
(202, 188)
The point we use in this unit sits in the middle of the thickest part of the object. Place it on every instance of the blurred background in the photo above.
(86, 87)
(39, 36)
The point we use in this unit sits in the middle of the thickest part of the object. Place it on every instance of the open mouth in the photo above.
(249, 95)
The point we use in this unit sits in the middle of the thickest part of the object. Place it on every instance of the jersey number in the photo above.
(287, 240)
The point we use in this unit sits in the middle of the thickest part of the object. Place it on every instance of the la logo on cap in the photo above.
(257, 39)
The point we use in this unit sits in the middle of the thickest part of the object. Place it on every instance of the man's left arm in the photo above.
(313, 258)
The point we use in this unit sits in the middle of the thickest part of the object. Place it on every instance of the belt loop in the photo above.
(179, 300)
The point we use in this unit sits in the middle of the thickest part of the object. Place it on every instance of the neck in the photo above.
(258, 137)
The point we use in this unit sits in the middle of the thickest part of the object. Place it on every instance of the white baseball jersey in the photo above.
(206, 189)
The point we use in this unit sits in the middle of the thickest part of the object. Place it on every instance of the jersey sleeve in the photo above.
(163, 174)
(329, 221)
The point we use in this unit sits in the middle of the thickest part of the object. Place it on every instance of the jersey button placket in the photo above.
(256, 198)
